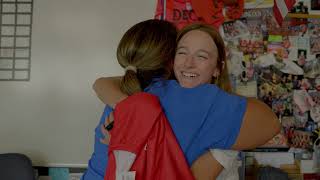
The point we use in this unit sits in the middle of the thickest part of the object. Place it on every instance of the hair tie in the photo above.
(132, 68)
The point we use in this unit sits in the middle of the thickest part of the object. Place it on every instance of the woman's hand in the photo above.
(106, 134)
(104, 131)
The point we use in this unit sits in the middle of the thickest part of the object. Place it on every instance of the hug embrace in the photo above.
(183, 77)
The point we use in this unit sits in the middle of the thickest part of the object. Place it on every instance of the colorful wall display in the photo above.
(281, 66)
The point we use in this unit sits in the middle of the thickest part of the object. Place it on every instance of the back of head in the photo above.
(149, 47)
(223, 80)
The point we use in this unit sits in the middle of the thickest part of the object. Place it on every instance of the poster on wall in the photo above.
(279, 65)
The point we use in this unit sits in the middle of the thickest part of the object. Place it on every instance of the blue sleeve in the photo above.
(99, 158)
(233, 110)
(221, 126)
(229, 111)
(202, 117)
(99, 147)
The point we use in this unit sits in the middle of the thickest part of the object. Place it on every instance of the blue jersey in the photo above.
(202, 118)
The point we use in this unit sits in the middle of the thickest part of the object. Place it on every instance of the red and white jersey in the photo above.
(142, 145)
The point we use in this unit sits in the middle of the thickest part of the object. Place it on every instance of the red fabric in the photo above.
(210, 11)
(177, 12)
(184, 12)
(141, 127)
(235, 10)
(311, 176)
(281, 12)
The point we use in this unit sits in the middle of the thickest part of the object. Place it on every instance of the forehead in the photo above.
(197, 39)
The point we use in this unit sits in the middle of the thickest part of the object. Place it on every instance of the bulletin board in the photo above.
(280, 65)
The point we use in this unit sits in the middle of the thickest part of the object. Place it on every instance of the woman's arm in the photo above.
(259, 125)
(206, 167)
(108, 90)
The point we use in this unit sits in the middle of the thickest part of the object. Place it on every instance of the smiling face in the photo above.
(195, 61)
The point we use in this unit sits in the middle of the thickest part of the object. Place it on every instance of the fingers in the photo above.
(110, 118)
(106, 134)
(105, 141)
(105, 128)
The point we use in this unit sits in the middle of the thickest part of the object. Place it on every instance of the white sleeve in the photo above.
(229, 160)
(124, 161)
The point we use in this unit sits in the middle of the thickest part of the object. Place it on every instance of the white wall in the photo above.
(52, 117)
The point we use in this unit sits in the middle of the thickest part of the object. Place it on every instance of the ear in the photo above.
(216, 73)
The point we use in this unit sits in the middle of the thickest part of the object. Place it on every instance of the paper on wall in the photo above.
(274, 159)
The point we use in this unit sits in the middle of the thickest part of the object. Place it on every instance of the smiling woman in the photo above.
(200, 58)
(196, 59)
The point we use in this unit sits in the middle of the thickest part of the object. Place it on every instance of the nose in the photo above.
(189, 62)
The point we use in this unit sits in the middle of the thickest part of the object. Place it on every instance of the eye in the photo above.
(181, 52)
(202, 56)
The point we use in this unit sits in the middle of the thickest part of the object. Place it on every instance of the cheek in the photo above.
(209, 68)
(207, 73)
(176, 66)
(178, 61)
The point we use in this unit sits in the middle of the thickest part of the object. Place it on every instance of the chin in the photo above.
(187, 83)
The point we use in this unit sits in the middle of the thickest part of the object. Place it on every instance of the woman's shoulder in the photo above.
(173, 85)
(172, 88)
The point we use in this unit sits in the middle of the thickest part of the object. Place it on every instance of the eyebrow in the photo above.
(200, 50)
(181, 47)
(205, 51)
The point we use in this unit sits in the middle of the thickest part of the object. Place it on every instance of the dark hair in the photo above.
(149, 46)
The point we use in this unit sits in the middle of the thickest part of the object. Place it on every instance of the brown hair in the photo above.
(149, 46)
(222, 80)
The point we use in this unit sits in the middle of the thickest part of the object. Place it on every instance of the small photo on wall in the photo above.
(301, 56)
(235, 29)
(315, 4)
(315, 45)
(302, 53)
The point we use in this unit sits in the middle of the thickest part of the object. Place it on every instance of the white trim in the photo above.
(164, 9)
(65, 165)
(282, 6)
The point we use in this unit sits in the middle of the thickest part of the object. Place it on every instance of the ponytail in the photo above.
(145, 51)
(130, 83)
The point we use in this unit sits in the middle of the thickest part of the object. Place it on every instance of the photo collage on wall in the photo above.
(279, 65)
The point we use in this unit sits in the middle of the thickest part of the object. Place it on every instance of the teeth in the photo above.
(187, 74)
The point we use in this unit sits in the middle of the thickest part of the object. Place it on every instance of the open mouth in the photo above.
(189, 75)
